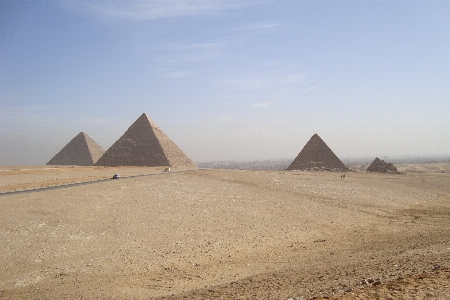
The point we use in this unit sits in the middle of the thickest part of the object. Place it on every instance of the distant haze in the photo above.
(227, 80)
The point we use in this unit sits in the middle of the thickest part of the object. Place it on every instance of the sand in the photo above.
(222, 234)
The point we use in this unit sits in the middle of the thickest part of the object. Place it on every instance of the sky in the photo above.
(226, 80)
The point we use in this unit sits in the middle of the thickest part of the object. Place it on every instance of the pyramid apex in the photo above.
(84, 135)
(143, 117)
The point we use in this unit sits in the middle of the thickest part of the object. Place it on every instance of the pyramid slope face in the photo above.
(317, 155)
(381, 166)
(144, 144)
(80, 151)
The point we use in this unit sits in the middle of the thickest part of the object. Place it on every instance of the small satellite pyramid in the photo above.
(144, 144)
(80, 151)
(316, 155)
(381, 166)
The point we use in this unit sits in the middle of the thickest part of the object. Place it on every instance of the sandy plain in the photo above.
(222, 234)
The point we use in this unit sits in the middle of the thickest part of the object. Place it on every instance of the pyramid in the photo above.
(144, 144)
(80, 151)
(381, 166)
(316, 155)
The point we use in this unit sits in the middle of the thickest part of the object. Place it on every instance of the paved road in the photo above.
(64, 186)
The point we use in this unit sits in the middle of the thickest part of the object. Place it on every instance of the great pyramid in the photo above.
(80, 151)
(144, 144)
(316, 155)
(381, 166)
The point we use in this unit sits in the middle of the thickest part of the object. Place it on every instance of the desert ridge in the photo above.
(223, 234)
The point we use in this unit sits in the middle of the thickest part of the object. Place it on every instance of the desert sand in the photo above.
(223, 234)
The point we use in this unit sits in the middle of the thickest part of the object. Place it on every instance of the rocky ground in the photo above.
(222, 234)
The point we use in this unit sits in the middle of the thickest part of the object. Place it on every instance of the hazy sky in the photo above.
(226, 80)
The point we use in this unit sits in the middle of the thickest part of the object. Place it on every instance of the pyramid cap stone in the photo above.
(316, 155)
(145, 144)
(152, 123)
(80, 151)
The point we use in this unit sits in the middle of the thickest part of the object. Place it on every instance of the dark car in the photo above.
(116, 176)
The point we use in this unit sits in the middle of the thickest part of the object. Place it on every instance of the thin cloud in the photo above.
(293, 79)
(314, 87)
(182, 74)
(256, 26)
(264, 25)
(265, 80)
(156, 9)
(175, 54)
(224, 118)
(204, 46)
(95, 121)
(179, 74)
(262, 104)
(246, 84)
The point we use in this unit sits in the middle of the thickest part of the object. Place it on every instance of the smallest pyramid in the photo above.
(381, 166)
(316, 155)
(80, 151)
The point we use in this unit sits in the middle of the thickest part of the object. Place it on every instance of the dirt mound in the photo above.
(426, 285)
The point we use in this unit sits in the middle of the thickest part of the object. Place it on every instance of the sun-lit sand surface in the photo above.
(222, 234)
